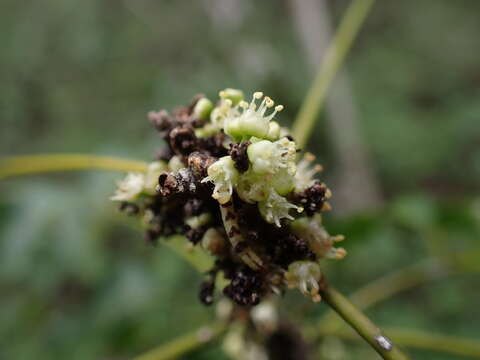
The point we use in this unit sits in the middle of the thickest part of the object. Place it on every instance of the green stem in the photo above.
(195, 256)
(418, 339)
(184, 344)
(32, 164)
(387, 286)
(362, 325)
(334, 57)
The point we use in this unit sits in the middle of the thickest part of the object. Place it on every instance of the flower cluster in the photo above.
(228, 179)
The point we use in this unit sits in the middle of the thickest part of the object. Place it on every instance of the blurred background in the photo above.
(399, 140)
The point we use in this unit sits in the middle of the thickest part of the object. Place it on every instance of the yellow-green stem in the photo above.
(373, 335)
(388, 285)
(184, 344)
(32, 164)
(333, 60)
(417, 339)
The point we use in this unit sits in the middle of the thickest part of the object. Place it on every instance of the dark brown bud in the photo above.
(312, 198)
(238, 152)
(198, 163)
(178, 182)
(183, 140)
(161, 120)
(206, 291)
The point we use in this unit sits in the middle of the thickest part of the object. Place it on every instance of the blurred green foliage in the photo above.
(77, 282)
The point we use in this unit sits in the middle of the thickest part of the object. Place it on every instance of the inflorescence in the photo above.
(228, 179)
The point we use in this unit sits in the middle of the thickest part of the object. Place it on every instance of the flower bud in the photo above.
(234, 95)
(203, 108)
(273, 131)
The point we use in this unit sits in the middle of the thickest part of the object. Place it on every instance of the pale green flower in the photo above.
(244, 120)
(203, 108)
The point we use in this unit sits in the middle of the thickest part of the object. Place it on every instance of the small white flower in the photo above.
(224, 175)
(129, 188)
(275, 208)
(305, 276)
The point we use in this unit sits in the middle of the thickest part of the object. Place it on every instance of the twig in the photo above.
(418, 339)
(195, 256)
(362, 325)
(184, 344)
(334, 57)
(312, 21)
(31, 164)
(388, 285)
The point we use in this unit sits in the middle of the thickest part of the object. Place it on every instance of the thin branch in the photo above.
(195, 256)
(389, 285)
(312, 22)
(362, 325)
(32, 164)
(334, 57)
(184, 344)
(419, 339)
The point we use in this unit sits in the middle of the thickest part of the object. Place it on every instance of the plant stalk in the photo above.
(184, 344)
(334, 58)
(32, 164)
(362, 325)
(418, 339)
